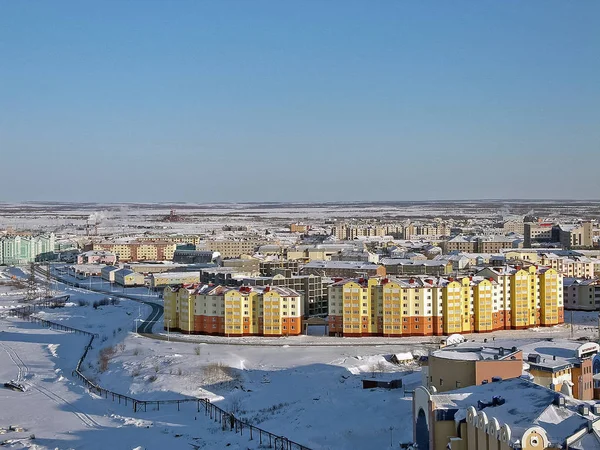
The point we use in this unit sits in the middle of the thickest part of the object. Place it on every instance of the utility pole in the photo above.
(31, 284)
(48, 282)
(571, 324)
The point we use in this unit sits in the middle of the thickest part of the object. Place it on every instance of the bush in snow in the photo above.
(104, 358)
(219, 373)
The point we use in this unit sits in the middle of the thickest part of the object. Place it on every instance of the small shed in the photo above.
(402, 358)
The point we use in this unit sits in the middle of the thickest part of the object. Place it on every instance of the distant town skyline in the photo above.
(310, 101)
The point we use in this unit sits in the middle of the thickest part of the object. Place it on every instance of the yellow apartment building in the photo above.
(493, 299)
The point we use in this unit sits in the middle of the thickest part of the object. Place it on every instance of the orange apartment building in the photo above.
(495, 299)
(234, 312)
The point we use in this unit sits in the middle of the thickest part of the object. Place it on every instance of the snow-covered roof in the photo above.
(526, 404)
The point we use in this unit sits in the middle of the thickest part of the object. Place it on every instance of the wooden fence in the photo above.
(227, 420)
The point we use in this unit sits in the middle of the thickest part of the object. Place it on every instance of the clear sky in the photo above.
(312, 100)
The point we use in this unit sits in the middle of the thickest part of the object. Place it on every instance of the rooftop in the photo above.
(526, 404)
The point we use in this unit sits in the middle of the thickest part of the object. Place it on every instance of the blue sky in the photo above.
(309, 100)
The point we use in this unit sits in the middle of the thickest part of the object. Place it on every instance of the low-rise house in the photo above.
(162, 280)
(96, 257)
(128, 278)
(108, 273)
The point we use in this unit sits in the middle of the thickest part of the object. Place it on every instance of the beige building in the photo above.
(481, 244)
(581, 294)
(579, 235)
(233, 248)
(503, 415)
(164, 279)
(455, 367)
(514, 226)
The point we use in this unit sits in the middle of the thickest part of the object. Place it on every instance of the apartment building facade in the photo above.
(234, 312)
(481, 244)
(508, 298)
(539, 233)
(233, 248)
(21, 249)
(138, 250)
(581, 294)
(342, 269)
(578, 235)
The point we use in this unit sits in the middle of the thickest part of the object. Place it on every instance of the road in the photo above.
(146, 325)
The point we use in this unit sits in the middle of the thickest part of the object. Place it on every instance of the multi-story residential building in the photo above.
(514, 226)
(270, 268)
(228, 311)
(21, 249)
(577, 235)
(503, 415)
(481, 244)
(346, 232)
(581, 294)
(233, 248)
(299, 228)
(312, 288)
(138, 250)
(435, 230)
(574, 267)
(319, 252)
(494, 299)
(192, 239)
(342, 269)
(400, 267)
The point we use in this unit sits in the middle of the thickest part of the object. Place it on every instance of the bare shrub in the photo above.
(152, 378)
(106, 354)
(136, 351)
(235, 406)
(197, 350)
(219, 373)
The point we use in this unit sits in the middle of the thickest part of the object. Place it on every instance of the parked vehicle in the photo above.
(15, 386)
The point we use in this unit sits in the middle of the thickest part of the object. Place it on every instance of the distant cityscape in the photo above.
(470, 282)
